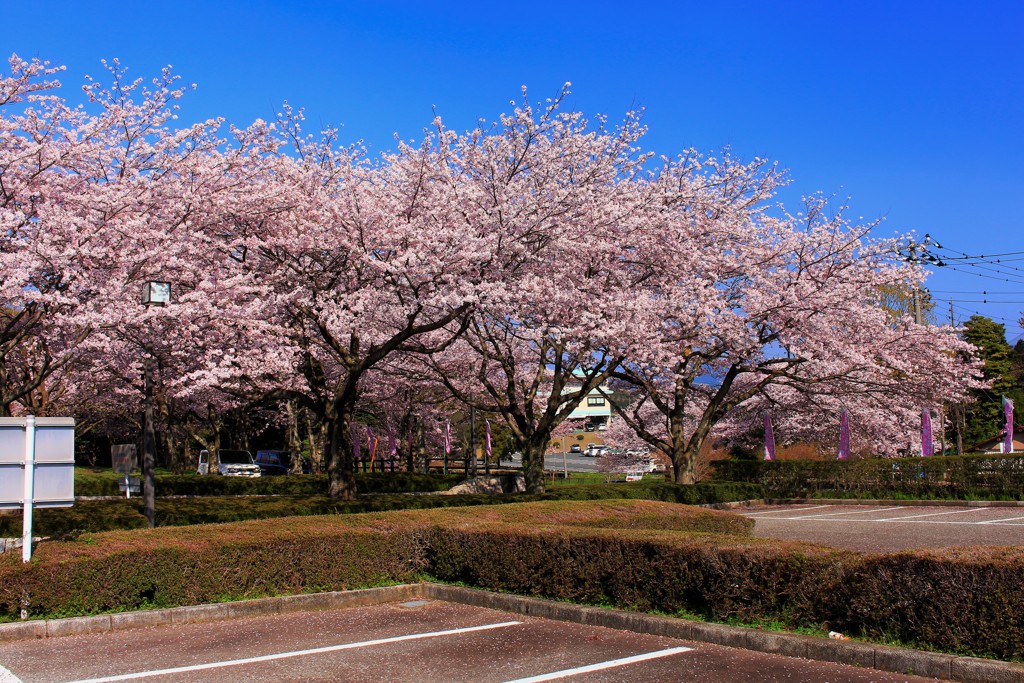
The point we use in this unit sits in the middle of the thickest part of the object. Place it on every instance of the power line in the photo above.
(964, 255)
(988, 277)
(983, 292)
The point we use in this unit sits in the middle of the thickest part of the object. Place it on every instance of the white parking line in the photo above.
(7, 677)
(828, 515)
(611, 664)
(999, 521)
(295, 653)
(770, 512)
(929, 514)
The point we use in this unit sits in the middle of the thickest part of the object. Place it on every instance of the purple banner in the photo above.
(1008, 413)
(487, 441)
(927, 441)
(769, 437)
(844, 436)
(448, 437)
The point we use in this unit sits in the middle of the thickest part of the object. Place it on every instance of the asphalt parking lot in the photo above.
(417, 640)
(887, 528)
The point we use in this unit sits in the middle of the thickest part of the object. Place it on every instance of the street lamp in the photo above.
(154, 293)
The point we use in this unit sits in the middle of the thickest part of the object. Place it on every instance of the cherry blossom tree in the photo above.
(742, 302)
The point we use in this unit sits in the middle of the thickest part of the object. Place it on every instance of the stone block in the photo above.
(916, 662)
(77, 626)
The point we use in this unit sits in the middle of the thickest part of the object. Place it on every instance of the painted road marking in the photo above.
(929, 514)
(894, 520)
(1000, 521)
(601, 666)
(295, 653)
(770, 512)
(828, 515)
(7, 677)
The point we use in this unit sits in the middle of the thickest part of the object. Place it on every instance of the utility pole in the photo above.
(917, 290)
(472, 441)
(956, 410)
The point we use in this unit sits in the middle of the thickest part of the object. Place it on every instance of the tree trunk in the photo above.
(293, 440)
(338, 452)
(533, 466)
(684, 465)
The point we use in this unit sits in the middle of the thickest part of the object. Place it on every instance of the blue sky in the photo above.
(914, 111)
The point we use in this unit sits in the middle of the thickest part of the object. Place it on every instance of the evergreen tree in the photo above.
(984, 417)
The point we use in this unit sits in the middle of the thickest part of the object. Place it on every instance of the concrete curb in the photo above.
(883, 658)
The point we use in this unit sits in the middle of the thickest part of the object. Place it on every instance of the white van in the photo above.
(231, 463)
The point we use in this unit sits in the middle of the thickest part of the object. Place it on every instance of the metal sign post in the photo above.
(29, 489)
(124, 461)
(37, 467)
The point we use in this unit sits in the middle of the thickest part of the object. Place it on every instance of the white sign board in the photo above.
(54, 472)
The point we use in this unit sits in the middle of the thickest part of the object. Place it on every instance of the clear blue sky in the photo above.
(913, 110)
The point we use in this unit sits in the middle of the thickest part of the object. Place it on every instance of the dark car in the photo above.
(278, 462)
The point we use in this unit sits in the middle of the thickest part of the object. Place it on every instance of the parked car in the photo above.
(273, 463)
(602, 427)
(231, 463)
(596, 449)
(575, 448)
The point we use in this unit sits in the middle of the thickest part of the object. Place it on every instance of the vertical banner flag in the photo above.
(487, 442)
(355, 444)
(392, 443)
(371, 445)
(769, 437)
(844, 436)
(927, 444)
(448, 437)
(1008, 413)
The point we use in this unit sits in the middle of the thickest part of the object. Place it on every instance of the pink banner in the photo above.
(1008, 414)
(927, 442)
(487, 440)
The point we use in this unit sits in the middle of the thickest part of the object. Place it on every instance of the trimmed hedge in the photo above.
(167, 567)
(106, 515)
(966, 601)
(90, 482)
(631, 554)
(983, 477)
(127, 570)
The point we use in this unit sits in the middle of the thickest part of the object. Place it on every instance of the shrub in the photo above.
(961, 601)
(104, 515)
(991, 477)
(642, 555)
(105, 483)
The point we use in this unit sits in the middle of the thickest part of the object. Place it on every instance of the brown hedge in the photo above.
(633, 554)
(126, 570)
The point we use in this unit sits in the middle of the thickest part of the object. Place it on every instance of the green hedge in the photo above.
(962, 601)
(90, 482)
(983, 477)
(125, 570)
(643, 555)
(105, 515)
(140, 570)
